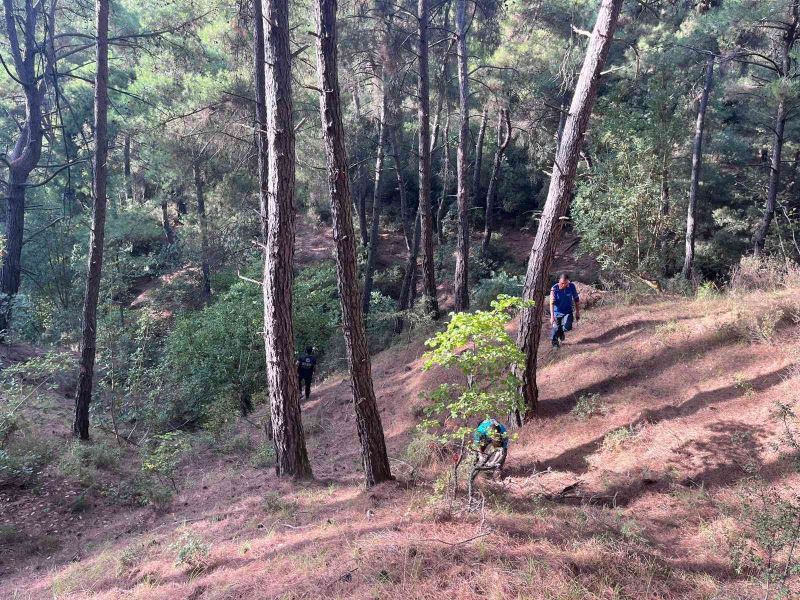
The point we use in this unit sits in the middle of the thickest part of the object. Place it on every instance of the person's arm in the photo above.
(552, 307)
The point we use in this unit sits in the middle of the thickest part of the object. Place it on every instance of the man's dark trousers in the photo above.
(563, 323)
(305, 382)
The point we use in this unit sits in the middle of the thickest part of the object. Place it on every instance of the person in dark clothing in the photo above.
(306, 363)
(564, 302)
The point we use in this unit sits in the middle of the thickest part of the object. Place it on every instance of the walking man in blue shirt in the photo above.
(564, 303)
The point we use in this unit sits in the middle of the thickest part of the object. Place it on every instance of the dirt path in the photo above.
(681, 402)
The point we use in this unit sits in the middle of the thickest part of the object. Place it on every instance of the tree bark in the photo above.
(169, 232)
(83, 394)
(199, 186)
(461, 279)
(27, 150)
(444, 79)
(444, 196)
(377, 204)
(126, 159)
(409, 277)
(503, 139)
(423, 115)
(368, 422)
(476, 170)
(697, 166)
(559, 193)
(394, 145)
(283, 391)
(262, 142)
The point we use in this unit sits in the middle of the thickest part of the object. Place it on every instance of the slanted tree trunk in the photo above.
(83, 394)
(377, 205)
(199, 186)
(697, 166)
(503, 139)
(423, 115)
(262, 142)
(283, 391)
(368, 422)
(25, 155)
(359, 187)
(476, 170)
(559, 193)
(781, 114)
(461, 279)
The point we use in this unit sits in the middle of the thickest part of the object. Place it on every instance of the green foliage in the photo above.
(82, 460)
(497, 284)
(589, 405)
(275, 504)
(191, 552)
(215, 356)
(23, 463)
(479, 347)
(264, 456)
(616, 439)
(162, 457)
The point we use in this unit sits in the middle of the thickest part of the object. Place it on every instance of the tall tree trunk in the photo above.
(359, 186)
(394, 145)
(476, 170)
(559, 193)
(789, 38)
(461, 280)
(199, 186)
(27, 150)
(377, 204)
(423, 115)
(368, 422)
(409, 277)
(126, 159)
(262, 142)
(169, 232)
(283, 391)
(794, 188)
(444, 80)
(503, 139)
(83, 395)
(697, 166)
(444, 195)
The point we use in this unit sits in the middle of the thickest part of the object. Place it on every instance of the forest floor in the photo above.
(631, 482)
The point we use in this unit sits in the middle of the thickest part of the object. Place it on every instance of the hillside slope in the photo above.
(634, 494)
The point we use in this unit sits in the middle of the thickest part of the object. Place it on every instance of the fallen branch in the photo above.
(475, 537)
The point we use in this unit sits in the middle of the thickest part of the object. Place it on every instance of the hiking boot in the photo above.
(556, 343)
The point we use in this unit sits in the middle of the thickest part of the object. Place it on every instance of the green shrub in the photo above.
(82, 460)
(264, 456)
(616, 439)
(163, 456)
(589, 405)
(499, 283)
(191, 552)
(23, 461)
(151, 491)
(479, 347)
(274, 504)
